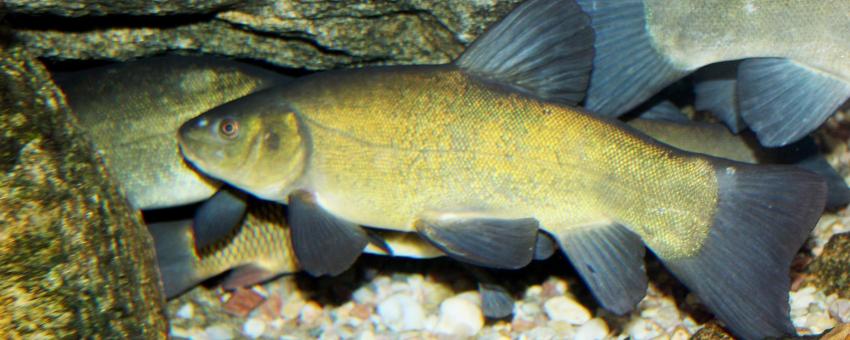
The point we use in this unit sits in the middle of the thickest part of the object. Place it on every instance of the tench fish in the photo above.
(132, 110)
(795, 74)
(479, 155)
(261, 249)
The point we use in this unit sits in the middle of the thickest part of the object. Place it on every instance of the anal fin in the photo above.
(782, 101)
(324, 244)
(483, 241)
(609, 258)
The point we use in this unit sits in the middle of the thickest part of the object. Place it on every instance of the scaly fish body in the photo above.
(694, 33)
(132, 111)
(445, 142)
(262, 242)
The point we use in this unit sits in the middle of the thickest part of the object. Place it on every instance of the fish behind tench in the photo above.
(132, 110)
(261, 248)
(796, 56)
(479, 155)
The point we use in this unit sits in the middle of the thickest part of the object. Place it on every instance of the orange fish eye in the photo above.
(229, 128)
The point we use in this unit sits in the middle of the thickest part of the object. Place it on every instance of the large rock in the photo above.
(296, 34)
(76, 262)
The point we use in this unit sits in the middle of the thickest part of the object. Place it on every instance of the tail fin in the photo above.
(175, 254)
(741, 272)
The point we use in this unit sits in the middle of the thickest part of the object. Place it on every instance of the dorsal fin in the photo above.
(542, 48)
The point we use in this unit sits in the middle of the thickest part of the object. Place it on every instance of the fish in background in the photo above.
(132, 111)
(667, 124)
(261, 249)
(480, 155)
(795, 72)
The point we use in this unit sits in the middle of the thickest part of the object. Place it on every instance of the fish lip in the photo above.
(184, 137)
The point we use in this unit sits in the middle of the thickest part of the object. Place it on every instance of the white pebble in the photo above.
(840, 309)
(253, 328)
(459, 317)
(562, 308)
(680, 333)
(218, 332)
(643, 329)
(802, 298)
(595, 329)
(402, 313)
(185, 312)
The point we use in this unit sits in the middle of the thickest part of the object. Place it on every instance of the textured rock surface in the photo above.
(75, 262)
(296, 34)
(125, 7)
(831, 270)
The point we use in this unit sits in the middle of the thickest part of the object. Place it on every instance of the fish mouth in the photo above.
(189, 134)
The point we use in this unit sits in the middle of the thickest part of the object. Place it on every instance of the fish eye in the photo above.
(229, 128)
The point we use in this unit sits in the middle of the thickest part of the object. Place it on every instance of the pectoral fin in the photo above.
(323, 243)
(782, 101)
(487, 242)
(609, 258)
(218, 217)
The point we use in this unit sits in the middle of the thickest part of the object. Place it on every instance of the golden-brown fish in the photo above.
(477, 156)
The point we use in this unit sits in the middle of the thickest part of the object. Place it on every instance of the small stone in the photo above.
(840, 310)
(402, 313)
(271, 308)
(253, 328)
(185, 312)
(819, 322)
(459, 317)
(218, 332)
(242, 302)
(364, 295)
(292, 308)
(643, 329)
(595, 329)
(310, 313)
(802, 298)
(522, 325)
(362, 312)
(562, 308)
(553, 287)
(543, 333)
(680, 333)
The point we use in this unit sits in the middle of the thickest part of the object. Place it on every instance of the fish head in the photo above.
(255, 143)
